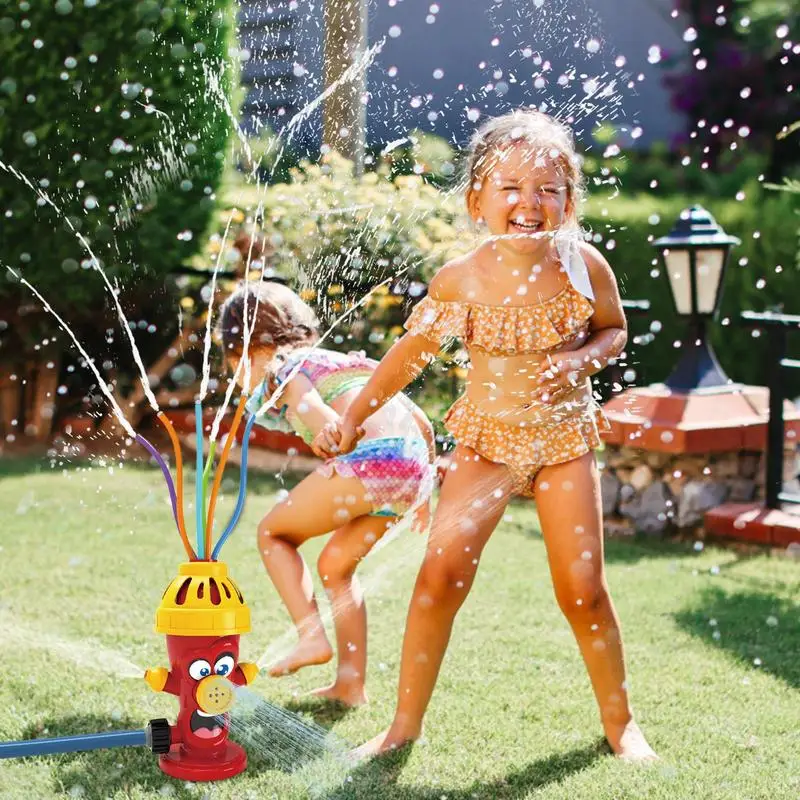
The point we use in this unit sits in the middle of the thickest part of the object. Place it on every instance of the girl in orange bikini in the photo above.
(539, 312)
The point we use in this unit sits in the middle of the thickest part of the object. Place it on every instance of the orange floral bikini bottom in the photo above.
(563, 434)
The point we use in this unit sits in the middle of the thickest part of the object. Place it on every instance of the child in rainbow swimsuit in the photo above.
(539, 311)
(359, 496)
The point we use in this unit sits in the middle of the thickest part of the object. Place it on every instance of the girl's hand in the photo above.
(336, 439)
(559, 378)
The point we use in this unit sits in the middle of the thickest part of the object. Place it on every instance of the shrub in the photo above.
(108, 108)
(762, 273)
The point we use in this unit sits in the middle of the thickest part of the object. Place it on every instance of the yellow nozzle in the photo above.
(215, 694)
(202, 601)
(250, 671)
(156, 678)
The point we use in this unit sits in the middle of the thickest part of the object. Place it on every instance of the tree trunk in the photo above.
(344, 111)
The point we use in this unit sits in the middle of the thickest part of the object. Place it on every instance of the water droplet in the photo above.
(593, 46)
(29, 137)
(395, 31)
(690, 35)
(654, 54)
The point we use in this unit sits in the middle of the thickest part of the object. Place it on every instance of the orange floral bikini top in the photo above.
(505, 330)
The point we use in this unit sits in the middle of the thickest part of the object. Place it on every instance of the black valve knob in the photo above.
(158, 736)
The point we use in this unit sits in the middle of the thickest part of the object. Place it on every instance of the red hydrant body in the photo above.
(204, 669)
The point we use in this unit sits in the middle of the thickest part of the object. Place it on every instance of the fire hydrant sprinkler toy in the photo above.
(202, 614)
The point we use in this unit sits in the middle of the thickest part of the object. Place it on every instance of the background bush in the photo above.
(107, 107)
(110, 110)
(762, 273)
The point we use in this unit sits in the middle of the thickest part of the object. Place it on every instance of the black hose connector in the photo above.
(158, 736)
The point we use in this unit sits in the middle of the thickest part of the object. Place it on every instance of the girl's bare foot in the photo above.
(347, 695)
(310, 650)
(628, 743)
(385, 742)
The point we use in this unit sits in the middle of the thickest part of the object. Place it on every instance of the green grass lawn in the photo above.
(712, 638)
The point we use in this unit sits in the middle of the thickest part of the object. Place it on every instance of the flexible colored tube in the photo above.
(237, 512)
(72, 744)
(165, 469)
(212, 502)
(200, 531)
(212, 448)
(176, 447)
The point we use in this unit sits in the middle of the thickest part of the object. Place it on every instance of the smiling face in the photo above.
(203, 664)
(522, 193)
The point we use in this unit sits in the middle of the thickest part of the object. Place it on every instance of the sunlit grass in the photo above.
(712, 641)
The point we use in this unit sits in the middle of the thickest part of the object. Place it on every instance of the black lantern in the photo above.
(695, 254)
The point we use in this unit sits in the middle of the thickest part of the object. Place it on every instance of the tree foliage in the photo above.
(115, 112)
(741, 82)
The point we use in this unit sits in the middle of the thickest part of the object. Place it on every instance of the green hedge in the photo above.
(96, 100)
(767, 224)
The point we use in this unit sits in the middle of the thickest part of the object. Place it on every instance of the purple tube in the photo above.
(165, 469)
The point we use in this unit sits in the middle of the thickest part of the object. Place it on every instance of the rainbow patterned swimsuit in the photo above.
(394, 470)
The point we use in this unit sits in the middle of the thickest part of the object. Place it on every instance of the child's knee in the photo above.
(445, 580)
(269, 529)
(581, 598)
(333, 567)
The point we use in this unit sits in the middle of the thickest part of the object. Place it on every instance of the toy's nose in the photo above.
(215, 694)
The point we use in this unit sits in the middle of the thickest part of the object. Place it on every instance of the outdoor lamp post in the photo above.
(695, 254)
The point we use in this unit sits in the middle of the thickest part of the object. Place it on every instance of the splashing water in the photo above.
(289, 742)
(83, 654)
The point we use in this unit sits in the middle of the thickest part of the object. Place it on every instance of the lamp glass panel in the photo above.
(677, 262)
(709, 274)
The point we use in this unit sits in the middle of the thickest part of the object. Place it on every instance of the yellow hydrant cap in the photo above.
(202, 601)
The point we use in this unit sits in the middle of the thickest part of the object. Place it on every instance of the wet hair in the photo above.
(279, 319)
(536, 130)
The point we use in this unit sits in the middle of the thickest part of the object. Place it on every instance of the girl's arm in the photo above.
(303, 402)
(403, 362)
(608, 334)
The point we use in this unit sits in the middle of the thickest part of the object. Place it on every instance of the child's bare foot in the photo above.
(385, 742)
(628, 743)
(352, 696)
(309, 651)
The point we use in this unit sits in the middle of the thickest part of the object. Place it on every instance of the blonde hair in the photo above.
(540, 132)
(279, 318)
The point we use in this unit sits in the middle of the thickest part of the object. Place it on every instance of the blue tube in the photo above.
(237, 512)
(72, 744)
(200, 532)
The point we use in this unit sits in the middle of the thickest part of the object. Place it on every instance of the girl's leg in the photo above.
(314, 507)
(337, 565)
(568, 502)
(473, 498)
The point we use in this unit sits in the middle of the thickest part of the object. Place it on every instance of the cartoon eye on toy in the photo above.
(224, 665)
(199, 669)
